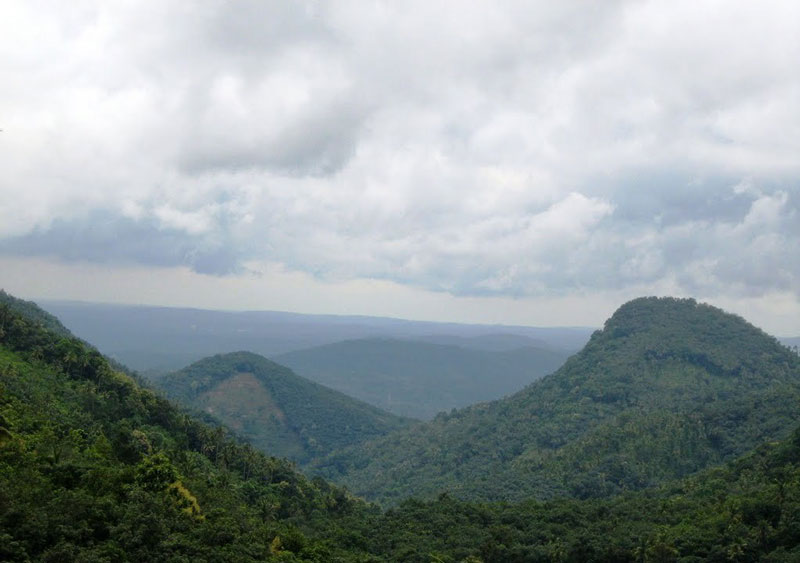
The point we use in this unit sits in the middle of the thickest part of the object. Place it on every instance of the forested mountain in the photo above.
(31, 312)
(669, 386)
(93, 467)
(274, 409)
(420, 379)
(157, 340)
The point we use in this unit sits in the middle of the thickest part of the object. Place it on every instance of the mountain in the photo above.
(668, 387)
(157, 340)
(274, 409)
(94, 467)
(420, 379)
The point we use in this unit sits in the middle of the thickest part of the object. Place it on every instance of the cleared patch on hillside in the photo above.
(243, 403)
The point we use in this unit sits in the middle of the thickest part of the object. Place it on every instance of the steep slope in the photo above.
(31, 312)
(420, 379)
(274, 409)
(95, 468)
(669, 386)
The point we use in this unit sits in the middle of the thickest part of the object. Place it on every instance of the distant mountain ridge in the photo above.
(276, 410)
(420, 379)
(163, 339)
(668, 387)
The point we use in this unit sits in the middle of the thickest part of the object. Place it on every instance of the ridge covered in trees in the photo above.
(93, 467)
(274, 409)
(668, 387)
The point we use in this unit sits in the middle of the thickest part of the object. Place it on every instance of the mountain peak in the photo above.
(278, 411)
(668, 387)
(666, 327)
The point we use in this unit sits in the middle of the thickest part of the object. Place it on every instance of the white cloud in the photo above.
(509, 148)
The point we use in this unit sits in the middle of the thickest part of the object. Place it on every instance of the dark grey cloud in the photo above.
(105, 237)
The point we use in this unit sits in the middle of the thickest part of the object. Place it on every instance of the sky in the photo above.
(516, 162)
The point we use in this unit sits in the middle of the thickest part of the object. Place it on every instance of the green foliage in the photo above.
(668, 387)
(33, 314)
(274, 409)
(95, 468)
(748, 510)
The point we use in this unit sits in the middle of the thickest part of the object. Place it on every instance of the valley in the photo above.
(672, 436)
(420, 379)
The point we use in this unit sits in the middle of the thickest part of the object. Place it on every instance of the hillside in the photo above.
(274, 409)
(420, 379)
(31, 312)
(668, 387)
(746, 511)
(93, 467)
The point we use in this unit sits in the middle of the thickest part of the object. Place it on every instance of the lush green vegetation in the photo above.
(93, 467)
(274, 409)
(667, 388)
(420, 379)
(746, 511)
(32, 312)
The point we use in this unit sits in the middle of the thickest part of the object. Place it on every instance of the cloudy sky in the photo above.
(516, 162)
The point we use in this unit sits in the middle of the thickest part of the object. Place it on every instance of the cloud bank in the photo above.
(480, 149)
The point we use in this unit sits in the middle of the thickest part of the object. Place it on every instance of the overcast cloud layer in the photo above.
(476, 148)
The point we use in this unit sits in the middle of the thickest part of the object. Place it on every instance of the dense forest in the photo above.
(668, 387)
(274, 409)
(96, 467)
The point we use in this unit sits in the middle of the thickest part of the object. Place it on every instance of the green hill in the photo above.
(31, 312)
(94, 467)
(274, 409)
(668, 387)
(420, 379)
